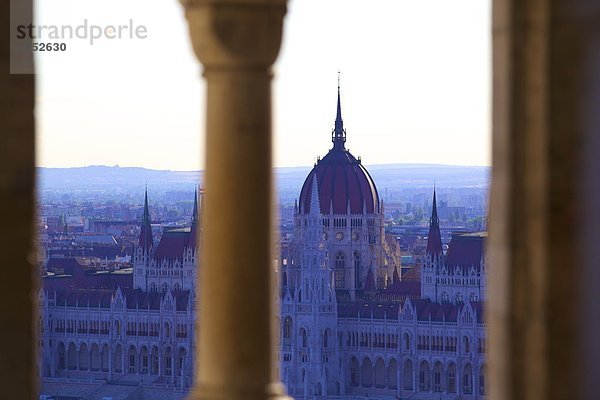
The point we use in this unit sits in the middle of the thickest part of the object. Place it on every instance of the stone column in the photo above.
(18, 296)
(160, 362)
(415, 374)
(110, 364)
(546, 61)
(399, 376)
(237, 41)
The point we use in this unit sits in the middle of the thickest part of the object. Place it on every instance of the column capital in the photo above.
(235, 34)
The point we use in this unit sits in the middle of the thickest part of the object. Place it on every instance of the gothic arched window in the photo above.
(339, 261)
(287, 328)
(445, 297)
(482, 380)
(303, 336)
(467, 379)
(167, 330)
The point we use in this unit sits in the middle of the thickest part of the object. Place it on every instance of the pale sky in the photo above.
(415, 77)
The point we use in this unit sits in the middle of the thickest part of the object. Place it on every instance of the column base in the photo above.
(274, 391)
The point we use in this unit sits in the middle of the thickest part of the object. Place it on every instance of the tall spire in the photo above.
(195, 229)
(195, 212)
(146, 216)
(145, 240)
(315, 206)
(435, 221)
(434, 239)
(338, 136)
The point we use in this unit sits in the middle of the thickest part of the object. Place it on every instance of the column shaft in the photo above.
(545, 112)
(18, 297)
(237, 42)
(235, 292)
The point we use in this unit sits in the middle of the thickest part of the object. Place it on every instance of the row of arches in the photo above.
(164, 287)
(287, 329)
(458, 297)
(423, 342)
(133, 360)
(133, 328)
(424, 377)
(147, 329)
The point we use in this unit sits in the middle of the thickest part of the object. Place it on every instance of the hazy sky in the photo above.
(415, 85)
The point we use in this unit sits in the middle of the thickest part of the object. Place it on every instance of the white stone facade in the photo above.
(103, 335)
(418, 348)
(144, 334)
(349, 326)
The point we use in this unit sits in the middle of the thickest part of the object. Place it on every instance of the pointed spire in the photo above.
(339, 133)
(146, 216)
(315, 206)
(193, 238)
(396, 275)
(434, 239)
(65, 225)
(195, 211)
(370, 282)
(146, 241)
(435, 221)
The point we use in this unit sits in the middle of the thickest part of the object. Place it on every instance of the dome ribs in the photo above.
(342, 181)
(344, 184)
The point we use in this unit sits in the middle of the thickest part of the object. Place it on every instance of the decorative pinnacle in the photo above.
(434, 216)
(339, 133)
(195, 211)
(146, 216)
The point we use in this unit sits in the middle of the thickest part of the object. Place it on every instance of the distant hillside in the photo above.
(393, 177)
(411, 176)
(103, 178)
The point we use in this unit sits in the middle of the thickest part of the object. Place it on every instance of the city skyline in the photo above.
(393, 91)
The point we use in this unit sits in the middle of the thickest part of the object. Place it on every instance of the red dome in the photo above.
(343, 182)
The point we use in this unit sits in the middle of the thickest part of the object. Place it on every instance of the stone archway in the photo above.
(366, 373)
(84, 357)
(95, 359)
